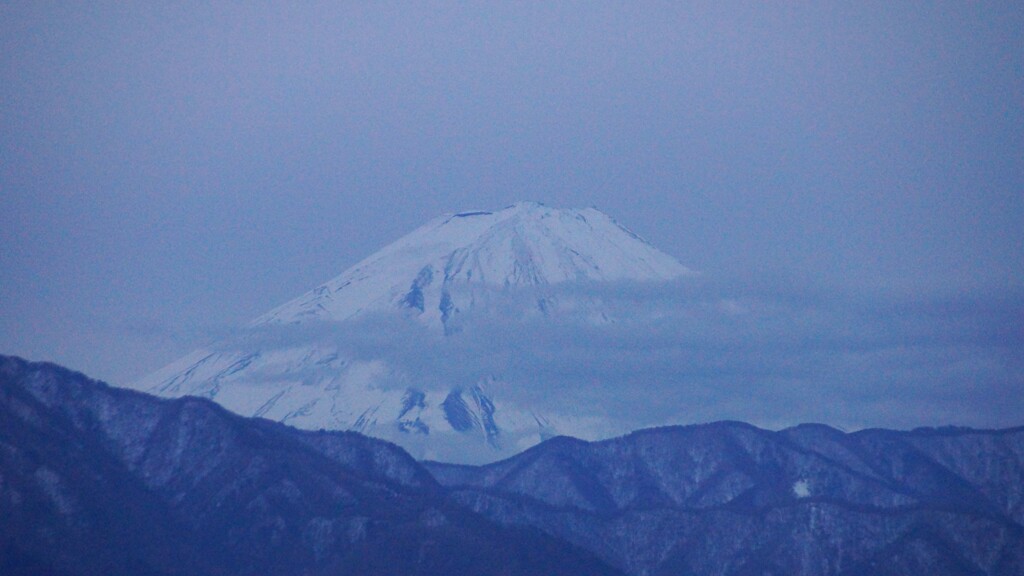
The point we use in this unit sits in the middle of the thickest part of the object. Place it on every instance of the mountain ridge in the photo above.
(100, 480)
(802, 500)
(84, 469)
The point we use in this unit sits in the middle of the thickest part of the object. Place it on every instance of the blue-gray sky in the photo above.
(170, 170)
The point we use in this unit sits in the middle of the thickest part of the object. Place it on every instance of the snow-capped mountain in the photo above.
(448, 265)
(315, 363)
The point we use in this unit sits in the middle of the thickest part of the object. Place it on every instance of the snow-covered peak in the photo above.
(448, 394)
(434, 270)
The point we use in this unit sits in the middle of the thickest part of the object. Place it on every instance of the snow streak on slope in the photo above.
(525, 261)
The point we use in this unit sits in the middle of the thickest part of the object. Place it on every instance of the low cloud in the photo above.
(696, 350)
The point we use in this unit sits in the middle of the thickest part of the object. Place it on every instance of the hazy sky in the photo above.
(169, 171)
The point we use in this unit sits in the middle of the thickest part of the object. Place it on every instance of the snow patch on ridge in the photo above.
(801, 488)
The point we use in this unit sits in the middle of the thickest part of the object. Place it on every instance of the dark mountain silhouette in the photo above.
(100, 480)
(729, 498)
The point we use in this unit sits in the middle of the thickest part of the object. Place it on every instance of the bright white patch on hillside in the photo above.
(801, 488)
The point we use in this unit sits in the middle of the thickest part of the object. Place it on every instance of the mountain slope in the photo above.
(97, 480)
(728, 498)
(317, 361)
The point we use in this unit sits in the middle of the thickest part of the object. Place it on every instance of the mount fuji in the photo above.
(393, 346)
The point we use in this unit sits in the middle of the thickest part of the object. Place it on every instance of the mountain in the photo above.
(728, 498)
(450, 265)
(101, 480)
(731, 499)
(393, 346)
